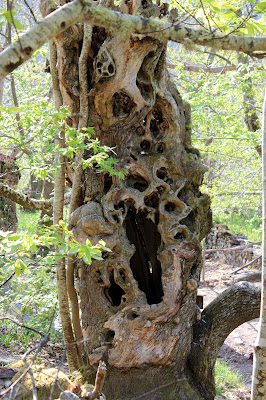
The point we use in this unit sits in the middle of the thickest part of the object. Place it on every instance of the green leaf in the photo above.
(46, 243)
(15, 247)
(17, 270)
(13, 109)
(261, 6)
(102, 245)
(17, 24)
(73, 249)
(63, 248)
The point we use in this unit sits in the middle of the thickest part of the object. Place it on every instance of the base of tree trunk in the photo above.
(149, 383)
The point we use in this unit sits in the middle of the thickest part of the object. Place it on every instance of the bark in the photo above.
(84, 11)
(138, 304)
(258, 389)
(24, 200)
(236, 305)
(58, 209)
(210, 70)
(252, 120)
(58, 215)
(77, 182)
(8, 174)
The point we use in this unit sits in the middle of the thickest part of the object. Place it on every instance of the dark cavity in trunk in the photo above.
(146, 268)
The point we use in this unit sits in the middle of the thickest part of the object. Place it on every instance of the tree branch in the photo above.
(99, 381)
(83, 11)
(244, 246)
(210, 70)
(22, 325)
(23, 200)
(7, 280)
(238, 304)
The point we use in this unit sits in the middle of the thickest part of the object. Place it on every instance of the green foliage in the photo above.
(30, 295)
(226, 377)
(27, 220)
(246, 223)
(8, 16)
(246, 18)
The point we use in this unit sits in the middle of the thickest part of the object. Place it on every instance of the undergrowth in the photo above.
(31, 298)
(226, 377)
(249, 224)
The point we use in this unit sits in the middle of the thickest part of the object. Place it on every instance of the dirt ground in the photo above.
(238, 347)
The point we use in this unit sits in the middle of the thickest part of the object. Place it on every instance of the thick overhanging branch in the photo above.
(83, 11)
(209, 70)
(237, 304)
(23, 200)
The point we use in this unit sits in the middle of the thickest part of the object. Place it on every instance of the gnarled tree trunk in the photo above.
(138, 305)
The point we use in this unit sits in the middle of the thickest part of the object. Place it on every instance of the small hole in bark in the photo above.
(132, 316)
(162, 173)
(158, 116)
(63, 24)
(145, 145)
(169, 181)
(114, 292)
(160, 189)
(98, 275)
(160, 148)
(115, 217)
(122, 104)
(189, 221)
(138, 183)
(122, 273)
(120, 206)
(145, 266)
(107, 183)
(154, 129)
(144, 3)
(169, 207)
(99, 65)
(179, 236)
(194, 270)
(152, 200)
(110, 336)
(27, 50)
(110, 69)
(105, 254)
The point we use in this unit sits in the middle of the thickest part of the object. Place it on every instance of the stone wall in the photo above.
(221, 237)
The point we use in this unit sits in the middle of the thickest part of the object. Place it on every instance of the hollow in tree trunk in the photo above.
(138, 305)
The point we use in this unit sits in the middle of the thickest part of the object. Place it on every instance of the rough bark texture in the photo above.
(8, 174)
(22, 199)
(138, 305)
(236, 305)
